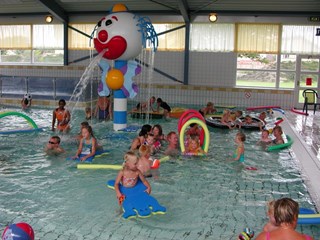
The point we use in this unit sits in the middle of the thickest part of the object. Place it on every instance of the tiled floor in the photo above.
(305, 132)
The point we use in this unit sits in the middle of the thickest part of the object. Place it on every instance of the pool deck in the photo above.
(306, 147)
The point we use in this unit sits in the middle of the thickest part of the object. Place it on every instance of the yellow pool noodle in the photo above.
(110, 166)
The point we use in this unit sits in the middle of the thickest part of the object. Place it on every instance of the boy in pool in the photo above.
(53, 146)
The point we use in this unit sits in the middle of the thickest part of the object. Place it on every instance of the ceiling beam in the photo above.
(184, 10)
(56, 10)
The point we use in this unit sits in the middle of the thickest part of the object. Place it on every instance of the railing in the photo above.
(46, 88)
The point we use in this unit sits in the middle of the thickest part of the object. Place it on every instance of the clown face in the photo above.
(119, 34)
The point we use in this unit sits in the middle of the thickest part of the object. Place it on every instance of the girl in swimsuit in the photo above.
(239, 154)
(130, 174)
(286, 213)
(88, 144)
(62, 116)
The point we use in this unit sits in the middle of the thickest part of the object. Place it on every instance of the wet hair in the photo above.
(145, 129)
(159, 100)
(270, 206)
(57, 138)
(286, 210)
(265, 130)
(159, 127)
(193, 124)
(89, 128)
(84, 124)
(62, 101)
(209, 104)
(242, 136)
(129, 155)
(26, 101)
(170, 134)
(144, 150)
(279, 129)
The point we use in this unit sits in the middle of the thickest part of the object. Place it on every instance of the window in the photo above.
(212, 37)
(79, 41)
(31, 44)
(256, 70)
(174, 40)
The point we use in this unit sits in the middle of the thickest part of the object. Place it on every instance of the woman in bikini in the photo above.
(62, 116)
(129, 175)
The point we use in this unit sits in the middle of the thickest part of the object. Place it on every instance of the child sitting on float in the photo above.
(129, 175)
(208, 109)
(227, 119)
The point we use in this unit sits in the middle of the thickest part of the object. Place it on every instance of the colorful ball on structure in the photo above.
(18, 231)
(247, 234)
(114, 79)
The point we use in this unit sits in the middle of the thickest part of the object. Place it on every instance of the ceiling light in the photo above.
(213, 17)
(49, 19)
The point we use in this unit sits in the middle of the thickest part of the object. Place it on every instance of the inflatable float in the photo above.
(255, 125)
(288, 143)
(143, 115)
(216, 122)
(34, 126)
(99, 153)
(308, 216)
(262, 107)
(136, 202)
(177, 112)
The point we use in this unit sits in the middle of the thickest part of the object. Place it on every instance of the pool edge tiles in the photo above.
(307, 160)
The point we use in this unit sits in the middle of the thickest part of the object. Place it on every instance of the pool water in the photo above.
(206, 197)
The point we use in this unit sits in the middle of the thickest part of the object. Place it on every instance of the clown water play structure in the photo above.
(121, 36)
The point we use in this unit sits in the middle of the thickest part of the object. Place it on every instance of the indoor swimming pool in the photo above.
(206, 197)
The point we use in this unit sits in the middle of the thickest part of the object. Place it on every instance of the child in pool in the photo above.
(150, 141)
(239, 140)
(194, 146)
(88, 113)
(263, 116)
(193, 130)
(53, 146)
(130, 174)
(157, 132)
(271, 225)
(173, 141)
(208, 109)
(145, 161)
(82, 125)
(277, 133)
(88, 144)
(265, 137)
(226, 119)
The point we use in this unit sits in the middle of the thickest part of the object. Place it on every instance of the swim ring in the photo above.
(206, 140)
(287, 144)
(255, 125)
(216, 122)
